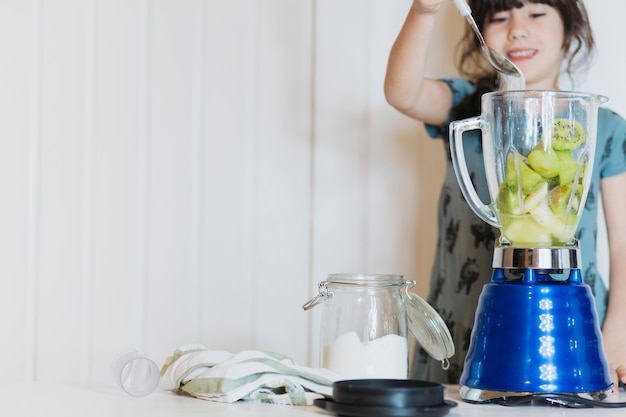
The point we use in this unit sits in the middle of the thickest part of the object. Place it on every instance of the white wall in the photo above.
(180, 171)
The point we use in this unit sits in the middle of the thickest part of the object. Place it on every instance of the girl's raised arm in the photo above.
(406, 87)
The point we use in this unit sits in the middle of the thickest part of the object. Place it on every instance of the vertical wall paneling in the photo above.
(120, 105)
(171, 317)
(143, 119)
(340, 121)
(31, 205)
(283, 194)
(227, 281)
(198, 108)
(19, 137)
(393, 200)
(86, 260)
(65, 38)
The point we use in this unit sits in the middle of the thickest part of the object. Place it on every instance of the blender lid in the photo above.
(386, 397)
(429, 329)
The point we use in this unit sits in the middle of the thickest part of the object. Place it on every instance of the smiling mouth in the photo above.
(526, 53)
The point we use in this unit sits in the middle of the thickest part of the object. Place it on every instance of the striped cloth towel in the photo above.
(258, 376)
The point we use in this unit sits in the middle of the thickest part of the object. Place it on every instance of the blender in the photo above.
(536, 329)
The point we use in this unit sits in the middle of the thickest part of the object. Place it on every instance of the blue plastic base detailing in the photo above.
(536, 334)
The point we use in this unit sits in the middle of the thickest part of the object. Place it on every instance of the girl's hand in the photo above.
(427, 6)
(614, 342)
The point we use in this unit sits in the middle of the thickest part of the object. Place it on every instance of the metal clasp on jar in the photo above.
(323, 295)
(408, 285)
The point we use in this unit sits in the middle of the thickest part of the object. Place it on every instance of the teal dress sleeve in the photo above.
(611, 143)
(460, 89)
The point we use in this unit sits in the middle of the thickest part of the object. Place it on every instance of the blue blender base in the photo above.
(535, 334)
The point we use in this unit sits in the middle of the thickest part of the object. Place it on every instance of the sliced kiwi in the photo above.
(567, 134)
(544, 161)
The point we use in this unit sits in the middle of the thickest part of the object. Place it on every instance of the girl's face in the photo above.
(532, 38)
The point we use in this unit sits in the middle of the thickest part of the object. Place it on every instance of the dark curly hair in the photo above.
(578, 44)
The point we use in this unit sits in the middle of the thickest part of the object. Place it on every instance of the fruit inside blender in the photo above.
(539, 198)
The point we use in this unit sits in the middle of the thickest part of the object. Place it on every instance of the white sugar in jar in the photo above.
(385, 357)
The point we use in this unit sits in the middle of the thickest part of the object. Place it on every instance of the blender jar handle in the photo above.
(462, 174)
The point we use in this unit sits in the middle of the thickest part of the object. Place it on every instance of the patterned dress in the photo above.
(465, 243)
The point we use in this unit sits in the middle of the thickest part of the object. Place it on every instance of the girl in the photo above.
(544, 38)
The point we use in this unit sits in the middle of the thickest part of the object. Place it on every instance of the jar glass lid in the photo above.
(429, 329)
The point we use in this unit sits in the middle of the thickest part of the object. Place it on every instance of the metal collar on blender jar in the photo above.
(425, 324)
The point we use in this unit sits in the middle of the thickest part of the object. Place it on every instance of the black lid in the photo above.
(387, 397)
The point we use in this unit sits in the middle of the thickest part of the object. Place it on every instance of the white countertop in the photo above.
(72, 400)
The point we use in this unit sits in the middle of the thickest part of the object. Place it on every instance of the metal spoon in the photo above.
(514, 79)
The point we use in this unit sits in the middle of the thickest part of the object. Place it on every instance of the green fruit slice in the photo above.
(507, 201)
(511, 171)
(559, 198)
(529, 179)
(567, 135)
(524, 231)
(581, 176)
(544, 161)
(577, 198)
(561, 228)
(568, 165)
(534, 199)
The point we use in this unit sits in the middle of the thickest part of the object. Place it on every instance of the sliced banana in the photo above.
(534, 199)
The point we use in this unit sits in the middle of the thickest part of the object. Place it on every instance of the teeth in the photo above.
(522, 54)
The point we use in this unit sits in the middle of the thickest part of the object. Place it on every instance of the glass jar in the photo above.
(366, 322)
